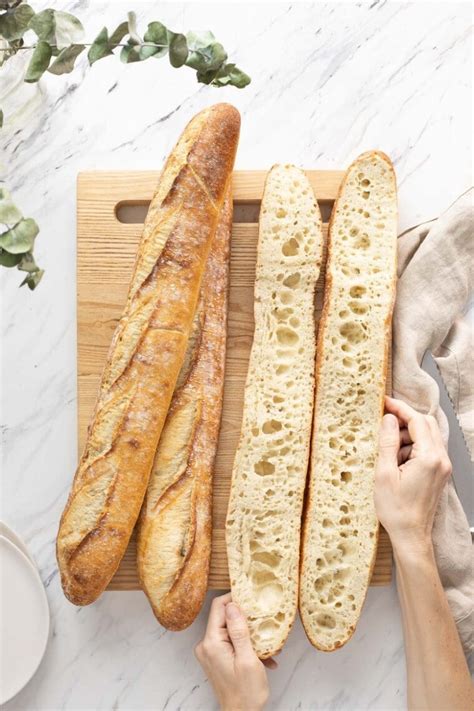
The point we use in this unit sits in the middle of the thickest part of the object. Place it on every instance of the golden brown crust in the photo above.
(146, 354)
(174, 541)
(319, 362)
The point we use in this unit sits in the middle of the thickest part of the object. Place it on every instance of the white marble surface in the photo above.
(329, 81)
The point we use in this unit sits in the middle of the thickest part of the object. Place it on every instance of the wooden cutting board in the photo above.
(106, 248)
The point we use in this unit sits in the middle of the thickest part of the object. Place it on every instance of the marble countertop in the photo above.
(329, 80)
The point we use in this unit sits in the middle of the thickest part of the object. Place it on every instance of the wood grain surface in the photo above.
(106, 251)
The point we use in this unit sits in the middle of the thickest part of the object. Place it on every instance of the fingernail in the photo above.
(232, 611)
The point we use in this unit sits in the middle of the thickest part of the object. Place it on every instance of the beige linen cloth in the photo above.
(435, 273)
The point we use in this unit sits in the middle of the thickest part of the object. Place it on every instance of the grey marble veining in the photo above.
(329, 81)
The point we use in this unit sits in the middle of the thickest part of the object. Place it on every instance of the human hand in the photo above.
(412, 470)
(237, 675)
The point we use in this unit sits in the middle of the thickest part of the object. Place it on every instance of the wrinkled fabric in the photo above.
(435, 279)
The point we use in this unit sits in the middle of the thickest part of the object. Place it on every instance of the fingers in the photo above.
(444, 466)
(238, 630)
(389, 442)
(416, 423)
(270, 663)
(405, 437)
(435, 432)
(404, 454)
(217, 619)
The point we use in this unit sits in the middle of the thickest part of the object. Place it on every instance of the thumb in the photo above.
(238, 629)
(389, 442)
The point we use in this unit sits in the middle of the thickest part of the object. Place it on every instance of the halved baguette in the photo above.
(146, 354)
(269, 473)
(175, 524)
(340, 529)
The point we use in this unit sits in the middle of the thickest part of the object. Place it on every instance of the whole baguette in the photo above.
(340, 529)
(175, 524)
(146, 355)
(270, 466)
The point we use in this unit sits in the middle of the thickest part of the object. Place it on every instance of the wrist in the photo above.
(412, 544)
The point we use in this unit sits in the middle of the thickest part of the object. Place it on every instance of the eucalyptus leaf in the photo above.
(207, 58)
(158, 35)
(150, 50)
(33, 279)
(39, 62)
(27, 263)
(100, 47)
(130, 53)
(178, 49)
(9, 49)
(14, 22)
(9, 260)
(9, 213)
(20, 238)
(68, 29)
(64, 62)
(117, 36)
(43, 25)
(132, 29)
(231, 75)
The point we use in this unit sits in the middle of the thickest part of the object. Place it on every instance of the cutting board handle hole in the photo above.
(131, 213)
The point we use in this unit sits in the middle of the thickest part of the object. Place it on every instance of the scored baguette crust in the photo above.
(340, 527)
(175, 524)
(269, 473)
(146, 355)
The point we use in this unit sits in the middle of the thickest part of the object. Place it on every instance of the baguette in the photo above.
(175, 524)
(268, 477)
(146, 355)
(340, 530)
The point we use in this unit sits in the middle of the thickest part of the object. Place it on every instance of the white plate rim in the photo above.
(7, 532)
(26, 561)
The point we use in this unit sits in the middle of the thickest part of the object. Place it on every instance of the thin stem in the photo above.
(87, 44)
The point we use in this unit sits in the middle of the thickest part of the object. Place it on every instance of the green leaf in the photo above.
(57, 27)
(230, 75)
(64, 62)
(68, 29)
(20, 238)
(39, 62)
(14, 23)
(27, 263)
(9, 213)
(33, 279)
(117, 36)
(9, 260)
(100, 47)
(147, 51)
(156, 34)
(44, 26)
(130, 53)
(178, 49)
(1, 118)
(205, 53)
(132, 29)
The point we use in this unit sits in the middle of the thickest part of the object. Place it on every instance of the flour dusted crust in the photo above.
(146, 354)
(175, 525)
(269, 473)
(340, 526)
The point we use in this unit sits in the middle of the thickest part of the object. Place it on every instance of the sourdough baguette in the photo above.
(175, 524)
(269, 473)
(146, 355)
(340, 529)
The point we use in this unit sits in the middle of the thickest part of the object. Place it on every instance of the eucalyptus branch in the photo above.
(59, 44)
